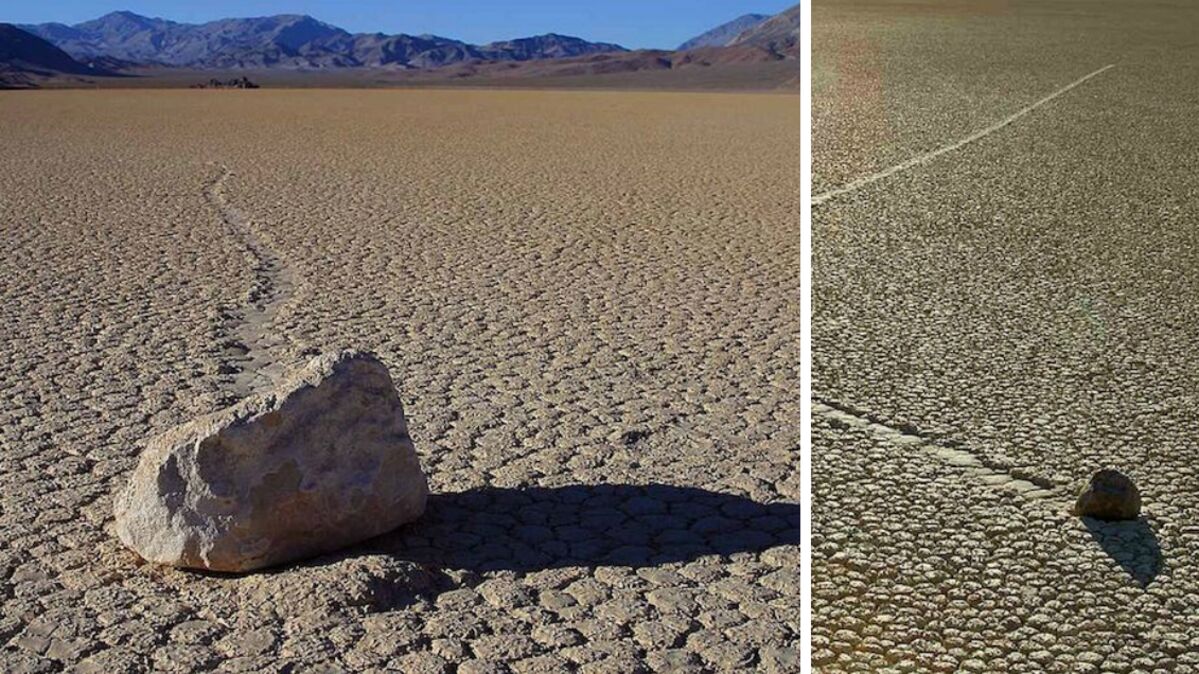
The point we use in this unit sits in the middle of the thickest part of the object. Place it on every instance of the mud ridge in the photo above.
(995, 473)
(251, 351)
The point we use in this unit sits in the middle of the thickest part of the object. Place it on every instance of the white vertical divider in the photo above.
(805, 369)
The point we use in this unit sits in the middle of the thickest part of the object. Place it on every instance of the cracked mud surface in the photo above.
(588, 300)
(1021, 309)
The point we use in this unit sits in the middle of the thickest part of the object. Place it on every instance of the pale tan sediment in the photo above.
(589, 302)
(1006, 309)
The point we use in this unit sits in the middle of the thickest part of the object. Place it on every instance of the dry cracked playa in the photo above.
(995, 323)
(589, 302)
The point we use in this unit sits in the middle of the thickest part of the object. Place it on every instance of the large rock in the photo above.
(1110, 495)
(322, 462)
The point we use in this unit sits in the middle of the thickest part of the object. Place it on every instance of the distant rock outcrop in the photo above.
(287, 41)
(322, 462)
(235, 83)
(723, 34)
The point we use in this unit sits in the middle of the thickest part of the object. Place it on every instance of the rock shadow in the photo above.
(537, 528)
(1131, 544)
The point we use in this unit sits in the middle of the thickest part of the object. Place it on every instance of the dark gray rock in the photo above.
(1110, 495)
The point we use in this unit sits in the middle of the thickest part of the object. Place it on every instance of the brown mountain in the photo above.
(741, 67)
(725, 33)
(779, 34)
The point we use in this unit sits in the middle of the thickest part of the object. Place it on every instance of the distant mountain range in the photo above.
(286, 41)
(725, 33)
(287, 46)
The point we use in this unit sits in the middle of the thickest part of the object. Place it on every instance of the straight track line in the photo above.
(1001, 475)
(924, 158)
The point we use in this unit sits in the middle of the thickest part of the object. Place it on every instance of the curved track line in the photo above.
(252, 350)
(996, 474)
(924, 158)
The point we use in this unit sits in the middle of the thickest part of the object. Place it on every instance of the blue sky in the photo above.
(632, 23)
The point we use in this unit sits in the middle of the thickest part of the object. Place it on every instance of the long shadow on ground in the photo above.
(465, 534)
(1132, 545)
(537, 528)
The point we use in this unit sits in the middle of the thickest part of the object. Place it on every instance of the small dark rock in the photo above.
(630, 438)
(1110, 496)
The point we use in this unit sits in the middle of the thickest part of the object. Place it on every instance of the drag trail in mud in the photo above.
(251, 349)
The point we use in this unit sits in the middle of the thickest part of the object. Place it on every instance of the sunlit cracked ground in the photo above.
(1028, 299)
(588, 300)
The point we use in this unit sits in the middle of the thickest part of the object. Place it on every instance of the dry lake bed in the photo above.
(588, 301)
(1006, 266)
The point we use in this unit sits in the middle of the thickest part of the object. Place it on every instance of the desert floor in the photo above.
(588, 300)
(994, 324)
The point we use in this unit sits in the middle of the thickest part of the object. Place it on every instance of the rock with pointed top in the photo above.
(321, 462)
(1110, 495)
